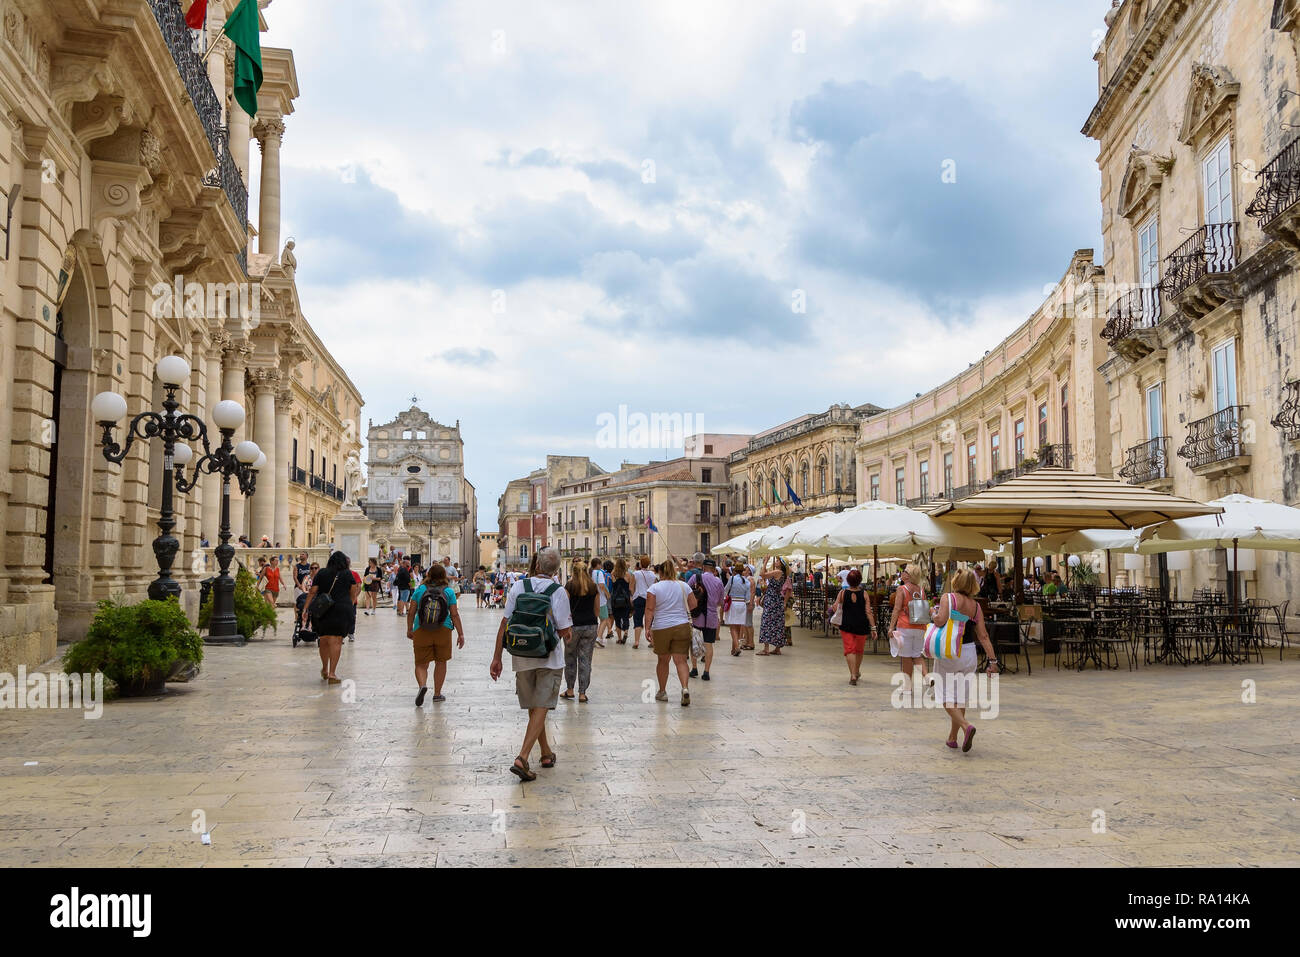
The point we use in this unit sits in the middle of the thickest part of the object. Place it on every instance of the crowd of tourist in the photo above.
(553, 619)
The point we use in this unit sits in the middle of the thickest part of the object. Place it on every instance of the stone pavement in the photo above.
(777, 762)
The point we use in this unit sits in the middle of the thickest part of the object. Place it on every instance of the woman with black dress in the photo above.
(337, 581)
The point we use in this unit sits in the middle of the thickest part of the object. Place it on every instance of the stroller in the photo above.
(299, 632)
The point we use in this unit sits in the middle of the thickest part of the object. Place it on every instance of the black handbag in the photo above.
(322, 603)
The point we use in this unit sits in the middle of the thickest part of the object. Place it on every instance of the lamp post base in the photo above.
(236, 640)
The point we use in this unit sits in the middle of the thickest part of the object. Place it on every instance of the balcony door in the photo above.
(1155, 411)
(1149, 269)
(1217, 177)
(1225, 375)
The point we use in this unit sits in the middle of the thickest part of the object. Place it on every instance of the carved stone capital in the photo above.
(264, 379)
(284, 400)
(270, 128)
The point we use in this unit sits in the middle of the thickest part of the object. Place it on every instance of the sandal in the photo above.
(548, 760)
(567, 695)
(323, 673)
(970, 736)
(335, 681)
(951, 744)
(582, 699)
(521, 770)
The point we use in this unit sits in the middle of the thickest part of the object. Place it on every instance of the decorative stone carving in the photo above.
(115, 190)
(288, 261)
(269, 127)
(284, 400)
(1211, 95)
(150, 152)
(264, 379)
(1143, 175)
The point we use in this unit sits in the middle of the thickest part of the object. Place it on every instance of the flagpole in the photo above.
(213, 45)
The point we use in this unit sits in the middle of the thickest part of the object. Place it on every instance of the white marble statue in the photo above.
(399, 521)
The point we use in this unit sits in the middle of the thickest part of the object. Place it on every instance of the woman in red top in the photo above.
(272, 578)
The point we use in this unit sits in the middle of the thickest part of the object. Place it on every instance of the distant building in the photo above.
(522, 508)
(420, 463)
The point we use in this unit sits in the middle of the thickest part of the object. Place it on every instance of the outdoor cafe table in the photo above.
(1086, 628)
(1175, 621)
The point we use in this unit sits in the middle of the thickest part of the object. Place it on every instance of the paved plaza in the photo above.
(777, 762)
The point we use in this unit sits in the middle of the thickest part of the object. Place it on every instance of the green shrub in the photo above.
(135, 643)
(253, 613)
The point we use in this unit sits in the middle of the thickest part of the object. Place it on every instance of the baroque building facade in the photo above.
(127, 164)
(1034, 398)
(814, 453)
(416, 492)
(1196, 120)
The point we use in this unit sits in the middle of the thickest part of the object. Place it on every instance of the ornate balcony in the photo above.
(1133, 312)
(1214, 448)
(1274, 207)
(194, 74)
(1288, 416)
(1148, 463)
(297, 476)
(1195, 272)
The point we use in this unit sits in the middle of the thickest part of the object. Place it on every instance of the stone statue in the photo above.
(288, 260)
(399, 522)
(352, 474)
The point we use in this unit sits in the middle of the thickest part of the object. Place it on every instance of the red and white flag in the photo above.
(196, 14)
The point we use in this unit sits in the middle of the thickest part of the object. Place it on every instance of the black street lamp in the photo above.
(108, 408)
(240, 462)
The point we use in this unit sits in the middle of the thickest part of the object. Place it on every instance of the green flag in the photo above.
(241, 27)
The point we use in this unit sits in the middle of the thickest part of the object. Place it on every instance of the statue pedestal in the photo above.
(352, 535)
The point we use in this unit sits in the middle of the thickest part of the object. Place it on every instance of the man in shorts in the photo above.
(707, 622)
(537, 680)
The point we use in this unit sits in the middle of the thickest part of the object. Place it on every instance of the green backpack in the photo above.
(530, 633)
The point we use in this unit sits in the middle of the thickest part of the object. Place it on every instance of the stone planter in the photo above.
(143, 687)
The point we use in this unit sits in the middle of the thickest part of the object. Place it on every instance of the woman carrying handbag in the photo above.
(907, 625)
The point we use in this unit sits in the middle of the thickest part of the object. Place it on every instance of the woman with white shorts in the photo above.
(955, 677)
(909, 636)
(739, 595)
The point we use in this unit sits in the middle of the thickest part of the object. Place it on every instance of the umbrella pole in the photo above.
(826, 619)
(1235, 571)
(1017, 558)
(1109, 585)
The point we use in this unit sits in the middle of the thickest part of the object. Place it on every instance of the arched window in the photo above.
(821, 476)
(744, 497)
(803, 480)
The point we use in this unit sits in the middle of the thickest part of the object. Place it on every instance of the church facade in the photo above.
(416, 494)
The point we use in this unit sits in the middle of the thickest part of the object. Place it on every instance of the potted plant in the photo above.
(253, 613)
(136, 646)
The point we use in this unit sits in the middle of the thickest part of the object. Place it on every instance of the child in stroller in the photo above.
(299, 632)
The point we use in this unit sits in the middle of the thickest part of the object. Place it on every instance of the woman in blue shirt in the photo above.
(432, 640)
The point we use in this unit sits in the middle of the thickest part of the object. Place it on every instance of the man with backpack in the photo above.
(536, 624)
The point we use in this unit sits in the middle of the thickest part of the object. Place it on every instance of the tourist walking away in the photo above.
(771, 627)
(738, 603)
(370, 581)
(620, 600)
(643, 578)
(601, 580)
(431, 615)
(330, 610)
(480, 586)
(402, 584)
(749, 612)
(706, 616)
(955, 677)
(857, 621)
(536, 624)
(300, 572)
(908, 621)
(584, 599)
(668, 608)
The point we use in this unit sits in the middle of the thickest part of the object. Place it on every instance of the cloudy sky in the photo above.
(528, 214)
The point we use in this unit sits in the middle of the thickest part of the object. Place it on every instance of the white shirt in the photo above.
(670, 604)
(561, 617)
(601, 578)
(644, 578)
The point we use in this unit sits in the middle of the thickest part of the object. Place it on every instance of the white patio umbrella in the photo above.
(743, 543)
(1086, 541)
(1245, 522)
(891, 528)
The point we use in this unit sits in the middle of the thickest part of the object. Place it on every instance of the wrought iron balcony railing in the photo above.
(1146, 462)
(1138, 308)
(1279, 186)
(415, 515)
(1215, 438)
(297, 476)
(1288, 416)
(194, 74)
(1211, 249)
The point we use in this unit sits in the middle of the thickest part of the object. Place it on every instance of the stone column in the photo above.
(283, 406)
(233, 369)
(240, 135)
(210, 485)
(265, 384)
(270, 133)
